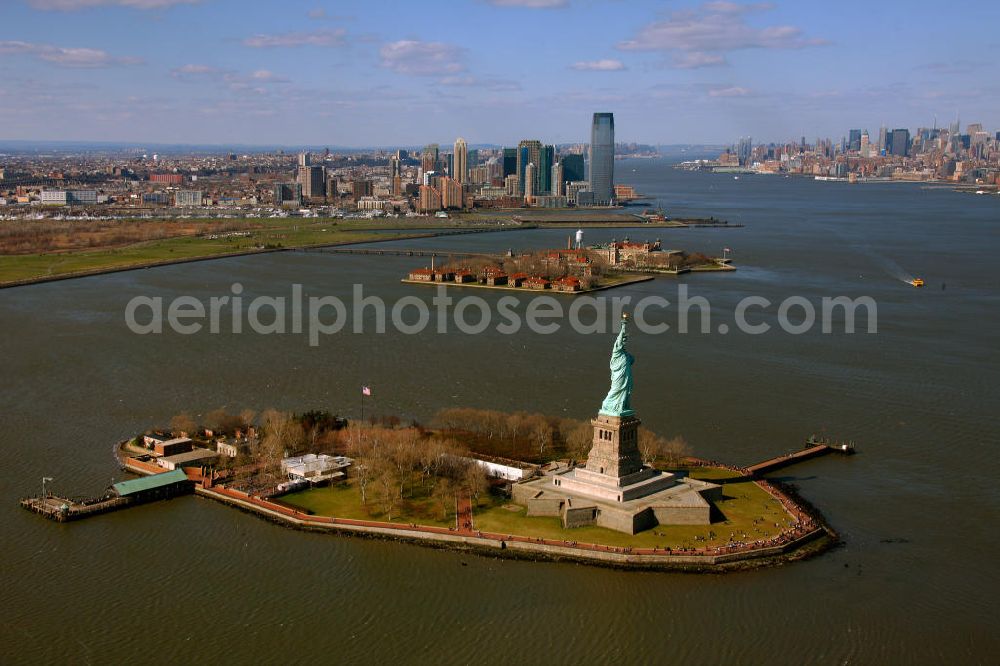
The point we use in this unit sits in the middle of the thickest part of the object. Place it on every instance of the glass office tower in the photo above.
(602, 158)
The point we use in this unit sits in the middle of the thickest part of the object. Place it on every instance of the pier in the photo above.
(62, 509)
(157, 486)
(812, 450)
(395, 252)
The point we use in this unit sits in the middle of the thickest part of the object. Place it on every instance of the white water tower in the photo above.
(579, 239)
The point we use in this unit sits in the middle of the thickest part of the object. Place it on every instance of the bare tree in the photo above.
(578, 437)
(182, 424)
(651, 446)
(676, 450)
(476, 480)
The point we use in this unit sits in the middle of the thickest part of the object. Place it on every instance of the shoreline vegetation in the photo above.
(428, 485)
(35, 251)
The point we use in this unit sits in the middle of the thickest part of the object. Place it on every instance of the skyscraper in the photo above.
(573, 167)
(744, 149)
(509, 162)
(461, 161)
(854, 140)
(312, 179)
(546, 157)
(396, 175)
(530, 177)
(602, 157)
(527, 153)
(557, 179)
(900, 142)
(429, 158)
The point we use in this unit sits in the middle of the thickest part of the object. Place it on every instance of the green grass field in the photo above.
(343, 500)
(278, 232)
(744, 510)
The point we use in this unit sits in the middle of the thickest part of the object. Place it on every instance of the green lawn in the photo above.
(742, 504)
(343, 500)
(278, 232)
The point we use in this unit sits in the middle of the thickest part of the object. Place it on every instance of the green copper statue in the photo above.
(619, 400)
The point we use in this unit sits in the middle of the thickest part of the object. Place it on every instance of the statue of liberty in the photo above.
(619, 400)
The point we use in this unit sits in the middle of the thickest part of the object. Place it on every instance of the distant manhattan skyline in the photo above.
(354, 74)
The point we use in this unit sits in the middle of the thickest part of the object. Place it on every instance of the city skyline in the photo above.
(345, 74)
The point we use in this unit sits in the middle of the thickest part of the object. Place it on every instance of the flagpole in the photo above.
(362, 404)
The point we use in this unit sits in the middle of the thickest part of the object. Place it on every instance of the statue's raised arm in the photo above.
(619, 399)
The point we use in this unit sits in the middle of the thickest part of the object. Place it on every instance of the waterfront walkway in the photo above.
(806, 528)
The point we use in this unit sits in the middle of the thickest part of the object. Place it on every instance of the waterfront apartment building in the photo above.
(362, 188)
(452, 195)
(460, 161)
(430, 200)
(529, 182)
(557, 179)
(312, 179)
(187, 198)
(168, 178)
(602, 157)
(69, 197)
(287, 194)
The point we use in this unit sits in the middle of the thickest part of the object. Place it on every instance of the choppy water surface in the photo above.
(190, 580)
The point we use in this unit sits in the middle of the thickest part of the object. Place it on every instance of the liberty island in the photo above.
(613, 509)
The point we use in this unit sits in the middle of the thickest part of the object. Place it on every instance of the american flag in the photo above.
(366, 390)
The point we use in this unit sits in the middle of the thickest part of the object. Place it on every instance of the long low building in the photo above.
(154, 487)
(315, 468)
(193, 458)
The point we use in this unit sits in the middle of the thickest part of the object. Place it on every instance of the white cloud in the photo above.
(255, 83)
(469, 81)
(291, 39)
(697, 59)
(605, 65)
(731, 91)
(422, 58)
(72, 5)
(318, 14)
(530, 4)
(267, 75)
(701, 36)
(67, 57)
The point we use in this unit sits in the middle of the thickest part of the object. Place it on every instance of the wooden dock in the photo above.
(812, 450)
(61, 509)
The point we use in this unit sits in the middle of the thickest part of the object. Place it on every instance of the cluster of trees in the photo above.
(503, 434)
(540, 438)
(393, 464)
(659, 450)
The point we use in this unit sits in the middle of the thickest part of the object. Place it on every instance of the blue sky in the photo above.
(364, 73)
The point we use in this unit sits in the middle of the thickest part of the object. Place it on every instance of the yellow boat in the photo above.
(917, 282)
